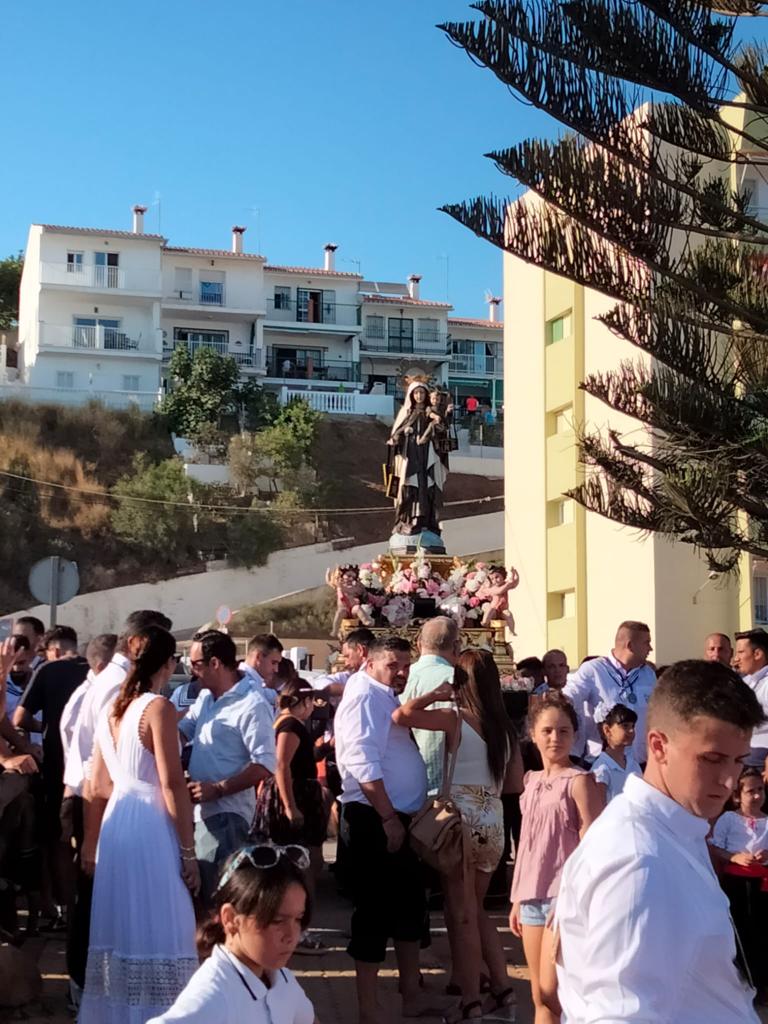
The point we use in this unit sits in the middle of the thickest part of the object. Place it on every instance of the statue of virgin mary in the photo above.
(418, 474)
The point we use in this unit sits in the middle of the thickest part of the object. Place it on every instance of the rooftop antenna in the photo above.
(355, 263)
(156, 202)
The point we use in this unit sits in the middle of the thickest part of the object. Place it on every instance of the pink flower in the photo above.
(433, 588)
(474, 602)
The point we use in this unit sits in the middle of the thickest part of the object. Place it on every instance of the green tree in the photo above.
(10, 279)
(252, 537)
(203, 389)
(646, 199)
(165, 531)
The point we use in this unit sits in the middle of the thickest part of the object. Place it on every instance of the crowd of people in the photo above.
(173, 821)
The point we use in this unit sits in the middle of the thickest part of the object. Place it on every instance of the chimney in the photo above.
(413, 285)
(138, 219)
(237, 238)
(493, 306)
(329, 263)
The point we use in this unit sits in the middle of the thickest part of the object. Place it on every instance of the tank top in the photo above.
(472, 761)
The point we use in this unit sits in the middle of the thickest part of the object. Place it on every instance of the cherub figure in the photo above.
(439, 415)
(351, 596)
(495, 592)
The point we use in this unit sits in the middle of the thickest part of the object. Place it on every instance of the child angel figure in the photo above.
(351, 596)
(495, 592)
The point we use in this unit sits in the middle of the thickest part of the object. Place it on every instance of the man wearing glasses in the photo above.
(233, 749)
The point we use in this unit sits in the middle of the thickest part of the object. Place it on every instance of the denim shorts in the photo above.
(535, 912)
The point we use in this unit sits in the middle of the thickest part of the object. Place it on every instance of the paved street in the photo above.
(328, 980)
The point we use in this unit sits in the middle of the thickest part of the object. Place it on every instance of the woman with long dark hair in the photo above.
(142, 942)
(487, 763)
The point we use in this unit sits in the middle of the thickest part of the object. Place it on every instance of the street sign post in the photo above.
(54, 581)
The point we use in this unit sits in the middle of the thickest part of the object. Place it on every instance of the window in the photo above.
(211, 288)
(760, 598)
(65, 379)
(429, 330)
(315, 306)
(751, 189)
(559, 328)
(561, 512)
(74, 263)
(374, 327)
(400, 334)
(282, 297)
(130, 382)
(182, 283)
(562, 605)
(99, 332)
(107, 269)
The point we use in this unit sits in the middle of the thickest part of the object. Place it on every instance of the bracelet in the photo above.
(188, 857)
(187, 849)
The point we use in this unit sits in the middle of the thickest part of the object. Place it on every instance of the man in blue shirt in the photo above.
(233, 749)
(438, 650)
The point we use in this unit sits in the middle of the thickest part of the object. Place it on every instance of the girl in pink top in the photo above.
(558, 806)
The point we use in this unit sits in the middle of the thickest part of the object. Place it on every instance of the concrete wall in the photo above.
(192, 600)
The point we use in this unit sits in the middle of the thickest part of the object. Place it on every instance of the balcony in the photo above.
(337, 403)
(221, 347)
(95, 338)
(302, 369)
(145, 400)
(98, 278)
(285, 310)
(425, 342)
(476, 366)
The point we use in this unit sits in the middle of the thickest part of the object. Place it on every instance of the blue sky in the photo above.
(337, 121)
(309, 121)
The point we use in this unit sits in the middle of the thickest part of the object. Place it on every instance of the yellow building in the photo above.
(580, 573)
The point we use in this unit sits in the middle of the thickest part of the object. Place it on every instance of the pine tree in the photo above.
(642, 199)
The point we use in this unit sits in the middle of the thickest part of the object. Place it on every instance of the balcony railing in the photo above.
(89, 275)
(145, 400)
(289, 310)
(94, 337)
(221, 347)
(302, 369)
(425, 342)
(478, 366)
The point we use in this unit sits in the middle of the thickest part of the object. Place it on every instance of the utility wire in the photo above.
(108, 496)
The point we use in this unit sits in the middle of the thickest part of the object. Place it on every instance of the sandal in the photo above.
(465, 1012)
(500, 1000)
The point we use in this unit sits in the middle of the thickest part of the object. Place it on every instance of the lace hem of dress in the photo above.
(132, 981)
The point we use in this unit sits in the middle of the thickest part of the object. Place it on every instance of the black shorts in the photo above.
(387, 888)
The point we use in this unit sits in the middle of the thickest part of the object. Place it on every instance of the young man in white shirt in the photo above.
(644, 928)
(262, 657)
(384, 783)
(621, 677)
(751, 662)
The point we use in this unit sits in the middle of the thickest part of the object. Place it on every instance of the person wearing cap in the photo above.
(751, 661)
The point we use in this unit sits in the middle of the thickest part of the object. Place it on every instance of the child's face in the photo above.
(553, 734)
(349, 578)
(272, 947)
(751, 796)
(620, 734)
(497, 578)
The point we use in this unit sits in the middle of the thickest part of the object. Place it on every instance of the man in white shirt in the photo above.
(233, 749)
(751, 661)
(717, 647)
(262, 657)
(384, 783)
(644, 928)
(622, 677)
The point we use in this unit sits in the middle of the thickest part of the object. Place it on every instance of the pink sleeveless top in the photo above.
(549, 835)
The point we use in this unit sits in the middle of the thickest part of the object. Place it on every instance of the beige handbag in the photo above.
(438, 834)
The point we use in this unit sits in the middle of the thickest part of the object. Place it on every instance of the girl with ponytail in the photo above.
(139, 842)
(260, 909)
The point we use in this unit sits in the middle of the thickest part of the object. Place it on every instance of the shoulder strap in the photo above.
(449, 760)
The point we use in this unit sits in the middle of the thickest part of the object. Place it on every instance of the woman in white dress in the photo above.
(142, 943)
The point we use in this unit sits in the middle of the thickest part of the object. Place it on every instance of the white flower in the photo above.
(472, 585)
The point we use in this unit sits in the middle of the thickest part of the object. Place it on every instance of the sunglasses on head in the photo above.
(264, 856)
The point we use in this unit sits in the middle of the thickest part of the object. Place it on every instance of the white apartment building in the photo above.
(101, 311)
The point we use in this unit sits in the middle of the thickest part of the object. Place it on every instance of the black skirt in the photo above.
(270, 821)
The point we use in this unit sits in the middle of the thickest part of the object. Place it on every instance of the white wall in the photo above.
(139, 260)
(243, 278)
(192, 600)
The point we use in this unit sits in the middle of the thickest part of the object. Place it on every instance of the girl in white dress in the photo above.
(261, 908)
(616, 763)
(142, 942)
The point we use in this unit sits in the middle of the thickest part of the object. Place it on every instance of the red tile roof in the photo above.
(184, 250)
(313, 271)
(466, 321)
(98, 231)
(405, 300)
